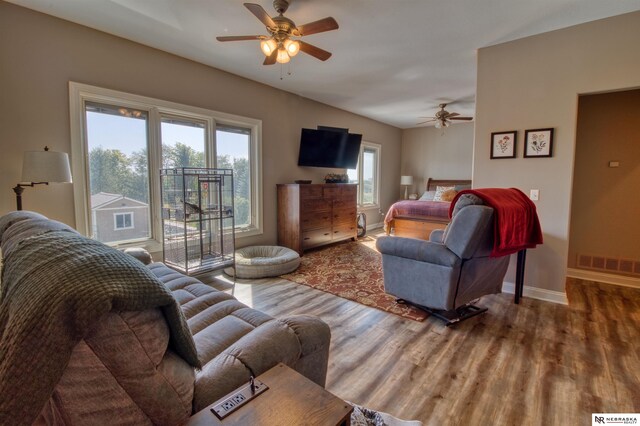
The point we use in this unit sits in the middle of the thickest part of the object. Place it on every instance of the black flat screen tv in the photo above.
(326, 148)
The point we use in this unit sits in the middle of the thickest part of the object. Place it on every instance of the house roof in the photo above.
(105, 199)
(393, 61)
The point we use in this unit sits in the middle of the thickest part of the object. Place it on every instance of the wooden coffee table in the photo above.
(291, 399)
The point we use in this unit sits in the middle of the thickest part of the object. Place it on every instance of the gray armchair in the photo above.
(447, 273)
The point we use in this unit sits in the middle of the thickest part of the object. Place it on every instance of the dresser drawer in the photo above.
(348, 192)
(344, 216)
(315, 219)
(344, 231)
(315, 238)
(341, 203)
(311, 191)
(314, 205)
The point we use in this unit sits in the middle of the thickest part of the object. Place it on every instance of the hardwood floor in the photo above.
(536, 363)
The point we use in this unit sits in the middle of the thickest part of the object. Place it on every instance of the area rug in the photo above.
(362, 416)
(352, 270)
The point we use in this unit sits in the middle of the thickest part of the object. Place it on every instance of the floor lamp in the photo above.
(42, 168)
(406, 181)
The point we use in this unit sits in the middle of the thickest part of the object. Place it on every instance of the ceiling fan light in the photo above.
(292, 46)
(283, 56)
(268, 46)
(438, 124)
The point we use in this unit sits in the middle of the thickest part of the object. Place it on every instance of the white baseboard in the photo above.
(603, 277)
(537, 293)
(371, 226)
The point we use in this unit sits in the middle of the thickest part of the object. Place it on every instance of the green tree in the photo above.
(109, 169)
(181, 155)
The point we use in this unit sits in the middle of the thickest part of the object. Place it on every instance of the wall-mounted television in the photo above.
(328, 148)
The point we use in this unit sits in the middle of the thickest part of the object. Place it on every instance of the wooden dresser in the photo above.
(312, 215)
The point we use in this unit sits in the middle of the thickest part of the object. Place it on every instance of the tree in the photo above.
(181, 155)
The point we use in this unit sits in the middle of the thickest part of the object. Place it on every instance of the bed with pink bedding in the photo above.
(417, 218)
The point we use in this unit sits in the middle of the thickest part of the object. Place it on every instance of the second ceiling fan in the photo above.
(281, 44)
(443, 117)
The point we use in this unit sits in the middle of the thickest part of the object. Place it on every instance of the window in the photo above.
(233, 145)
(123, 220)
(118, 138)
(367, 174)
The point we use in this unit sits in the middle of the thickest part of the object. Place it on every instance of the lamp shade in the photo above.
(406, 180)
(45, 166)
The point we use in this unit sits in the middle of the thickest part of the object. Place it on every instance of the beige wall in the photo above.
(427, 152)
(605, 208)
(534, 83)
(40, 54)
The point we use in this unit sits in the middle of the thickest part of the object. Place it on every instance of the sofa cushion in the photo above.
(233, 340)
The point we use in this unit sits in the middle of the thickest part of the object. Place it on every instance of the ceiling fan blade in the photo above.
(461, 118)
(241, 38)
(261, 14)
(424, 122)
(452, 114)
(326, 24)
(271, 59)
(314, 51)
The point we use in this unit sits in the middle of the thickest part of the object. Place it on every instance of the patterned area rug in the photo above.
(352, 270)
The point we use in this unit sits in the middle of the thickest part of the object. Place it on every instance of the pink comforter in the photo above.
(417, 208)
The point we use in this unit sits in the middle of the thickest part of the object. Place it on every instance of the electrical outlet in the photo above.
(236, 399)
(534, 194)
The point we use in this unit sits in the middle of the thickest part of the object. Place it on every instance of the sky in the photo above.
(130, 134)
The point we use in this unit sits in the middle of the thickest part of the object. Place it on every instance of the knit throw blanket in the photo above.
(516, 223)
(55, 287)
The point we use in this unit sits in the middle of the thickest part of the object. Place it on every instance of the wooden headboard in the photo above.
(433, 183)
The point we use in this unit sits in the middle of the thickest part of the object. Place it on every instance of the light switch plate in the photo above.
(534, 194)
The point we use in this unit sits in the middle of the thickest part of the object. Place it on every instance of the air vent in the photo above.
(609, 264)
(597, 262)
(626, 266)
(584, 261)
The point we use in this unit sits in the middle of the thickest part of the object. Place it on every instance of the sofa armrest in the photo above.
(437, 236)
(315, 337)
(420, 250)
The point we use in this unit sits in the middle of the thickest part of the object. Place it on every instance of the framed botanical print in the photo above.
(503, 144)
(538, 143)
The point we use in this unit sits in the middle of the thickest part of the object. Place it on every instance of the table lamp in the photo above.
(406, 181)
(42, 168)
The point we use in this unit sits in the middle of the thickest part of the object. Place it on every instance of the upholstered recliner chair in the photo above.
(446, 274)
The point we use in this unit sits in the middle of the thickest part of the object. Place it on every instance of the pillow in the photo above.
(441, 190)
(449, 195)
(428, 196)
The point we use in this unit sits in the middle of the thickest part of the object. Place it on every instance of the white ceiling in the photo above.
(393, 60)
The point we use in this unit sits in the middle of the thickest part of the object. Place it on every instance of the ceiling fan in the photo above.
(443, 117)
(281, 43)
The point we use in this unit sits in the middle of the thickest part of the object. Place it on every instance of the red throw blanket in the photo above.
(516, 221)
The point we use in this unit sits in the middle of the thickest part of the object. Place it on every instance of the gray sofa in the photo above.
(451, 270)
(125, 368)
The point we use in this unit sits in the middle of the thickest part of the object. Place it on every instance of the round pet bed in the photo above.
(264, 261)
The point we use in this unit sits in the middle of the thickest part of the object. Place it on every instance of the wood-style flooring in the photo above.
(536, 363)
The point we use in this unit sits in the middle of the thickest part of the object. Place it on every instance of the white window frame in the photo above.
(115, 221)
(80, 93)
(376, 196)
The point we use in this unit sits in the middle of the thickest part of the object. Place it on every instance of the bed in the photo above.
(416, 219)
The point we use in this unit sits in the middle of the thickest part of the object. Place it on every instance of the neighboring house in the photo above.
(117, 218)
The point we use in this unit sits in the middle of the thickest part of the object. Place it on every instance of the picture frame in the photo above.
(503, 144)
(538, 143)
